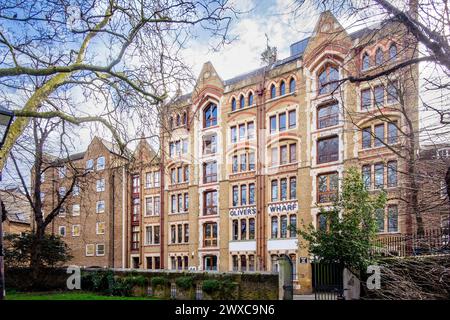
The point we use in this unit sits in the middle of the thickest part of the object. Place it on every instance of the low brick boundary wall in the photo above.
(241, 285)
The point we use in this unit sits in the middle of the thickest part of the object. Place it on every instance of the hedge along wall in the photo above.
(247, 286)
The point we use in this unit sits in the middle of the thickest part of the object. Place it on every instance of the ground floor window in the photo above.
(179, 263)
(243, 262)
(274, 262)
(135, 262)
(210, 263)
(153, 263)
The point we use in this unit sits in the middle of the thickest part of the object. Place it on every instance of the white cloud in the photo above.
(243, 54)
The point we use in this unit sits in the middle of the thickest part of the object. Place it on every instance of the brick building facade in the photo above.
(245, 159)
(91, 220)
(18, 211)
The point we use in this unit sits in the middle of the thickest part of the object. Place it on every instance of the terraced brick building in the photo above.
(245, 161)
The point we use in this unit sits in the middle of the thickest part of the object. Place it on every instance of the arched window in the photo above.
(184, 118)
(178, 120)
(273, 91)
(393, 52)
(250, 99)
(233, 104)
(241, 101)
(210, 116)
(292, 85)
(379, 56)
(365, 61)
(329, 74)
(282, 88)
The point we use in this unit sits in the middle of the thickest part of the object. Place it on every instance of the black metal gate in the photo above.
(328, 282)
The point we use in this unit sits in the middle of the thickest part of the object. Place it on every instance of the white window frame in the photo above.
(101, 166)
(100, 185)
(152, 207)
(76, 190)
(152, 240)
(73, 230)
(62, 191)
(73, 211)
(90, 165)
(156, 182)
(62, 212)
(90, 245)
(62, 228)
(96, 249)
(148, 179)
(97, 228)
(97, 210)
(62, 172)
(184, 143)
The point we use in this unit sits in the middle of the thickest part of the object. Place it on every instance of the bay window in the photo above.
(379, 135)
(392, 174)
(379, 175)
(367, 176)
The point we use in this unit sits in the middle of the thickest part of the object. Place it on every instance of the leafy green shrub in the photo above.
(226, 289)
(211, 285)
(54, 252)
(159, 281)
(121, 287)
(220, 289)
(138, 280)
(101, 281)
(87, 281)
(184, 282)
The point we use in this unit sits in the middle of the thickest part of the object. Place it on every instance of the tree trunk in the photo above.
(414, 192)
(35, 256)
(447, 182)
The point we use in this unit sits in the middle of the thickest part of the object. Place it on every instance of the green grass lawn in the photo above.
(76, 295)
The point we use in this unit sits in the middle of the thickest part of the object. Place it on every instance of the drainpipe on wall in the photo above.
(162, 202)
(141, 207)
(113, 209)
(124, 229)
(260, 177)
